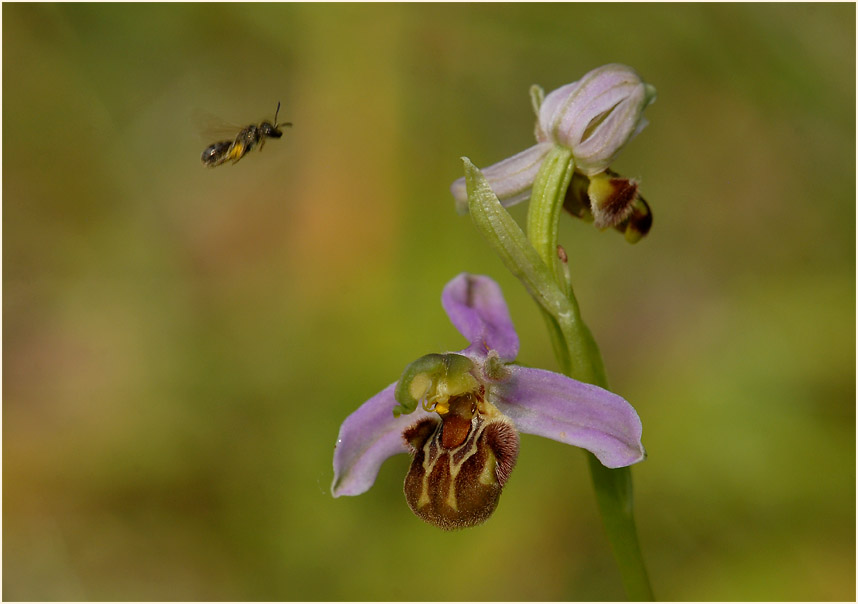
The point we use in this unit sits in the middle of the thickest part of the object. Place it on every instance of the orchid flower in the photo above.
(595, 118)
(459, 414)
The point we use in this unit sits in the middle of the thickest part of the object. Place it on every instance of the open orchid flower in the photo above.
(595, 118)
(459, 415)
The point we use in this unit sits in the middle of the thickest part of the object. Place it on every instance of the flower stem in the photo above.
(534, 263)
(579, 357)
(614, 495)
(546, 203)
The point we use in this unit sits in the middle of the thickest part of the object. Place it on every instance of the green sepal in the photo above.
(433, 377)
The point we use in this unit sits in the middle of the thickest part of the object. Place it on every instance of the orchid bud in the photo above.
(596, 116)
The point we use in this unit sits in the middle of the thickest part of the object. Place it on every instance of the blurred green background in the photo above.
(180, 344)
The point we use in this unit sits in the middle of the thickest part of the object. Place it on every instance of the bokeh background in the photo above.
(180, 344)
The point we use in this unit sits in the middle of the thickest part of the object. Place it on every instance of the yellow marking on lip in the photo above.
(424, 494)
(451, 496)
(488, 476)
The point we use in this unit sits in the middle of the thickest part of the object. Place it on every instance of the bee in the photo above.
(249, 137)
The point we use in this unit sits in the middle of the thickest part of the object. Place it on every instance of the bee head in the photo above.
(271, 130)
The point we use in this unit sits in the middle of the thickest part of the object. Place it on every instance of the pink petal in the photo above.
(367, 438)
(557, 407)
(477, 308)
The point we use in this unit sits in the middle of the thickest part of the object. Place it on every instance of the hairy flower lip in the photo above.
(537, 401)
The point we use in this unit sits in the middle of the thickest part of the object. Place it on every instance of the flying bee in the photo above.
(249, 137)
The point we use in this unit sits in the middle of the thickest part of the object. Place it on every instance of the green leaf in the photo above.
(507, 239)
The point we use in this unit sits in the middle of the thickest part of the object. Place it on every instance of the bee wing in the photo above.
(211, 127)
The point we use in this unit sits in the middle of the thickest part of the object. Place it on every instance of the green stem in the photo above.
(546, 204)
(614, 496)
(534, 262)
(579, 357)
